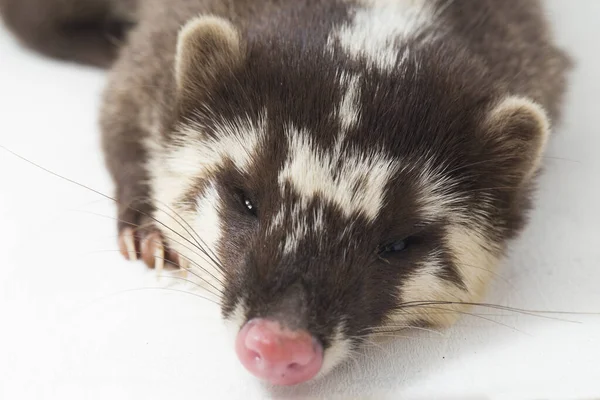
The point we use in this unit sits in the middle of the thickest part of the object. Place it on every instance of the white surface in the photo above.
(68, 331)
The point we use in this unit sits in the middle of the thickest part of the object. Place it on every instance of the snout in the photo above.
(278, 355)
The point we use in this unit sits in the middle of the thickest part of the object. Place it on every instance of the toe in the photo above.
(149, 245)
(159, 258)
(152, 245)
(156, 254)
(184, 266)
(127, 245)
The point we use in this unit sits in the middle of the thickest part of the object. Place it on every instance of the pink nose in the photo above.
(278, 355)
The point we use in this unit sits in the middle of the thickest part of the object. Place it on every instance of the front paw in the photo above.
(149, 245)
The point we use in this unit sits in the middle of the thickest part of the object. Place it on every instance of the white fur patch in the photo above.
(193, 155)
(277, 221)
(349, 108)
(437, 194)
(377, 29)
(207, 227)
(338, 351)
(235, 140)
(426, 285)
(236, 320)
(475, 258)
(352, 180)
(195, 235)
(299, 225)
(176, 169)
(297, 230)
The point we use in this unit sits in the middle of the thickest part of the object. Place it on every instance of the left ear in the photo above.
(518, 129)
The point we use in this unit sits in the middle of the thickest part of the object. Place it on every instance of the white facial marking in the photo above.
(235, 320)
(207, 231)
(352, 180)
(236, 140)
(338, 351)
(277, 221)
(301, 222)
(177, 166)
(297, 230)
(348, 113)
(378, 29)
(437, 194)
(207, 222)
(318, 223)
(426, 285)
(349, 108)
(475, 259)
(192, 156)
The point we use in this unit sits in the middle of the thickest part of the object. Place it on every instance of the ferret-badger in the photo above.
(330, 167)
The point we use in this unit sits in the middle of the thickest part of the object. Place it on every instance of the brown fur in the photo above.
(88, 32)
(457, 107)
(140, 92)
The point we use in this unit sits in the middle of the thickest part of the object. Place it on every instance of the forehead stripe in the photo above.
(377, 28)
(353, 180)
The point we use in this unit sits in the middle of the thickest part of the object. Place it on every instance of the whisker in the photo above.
(197, 245)
(474, 315)
(197, 237)
(408, 327)
(167, 289)
(193, 263)
(495, 274)
(369, 342)
(450, 311)
(533, 313)
(392, 334)
(487, 319)
(171, 276)
(562, 159)
(193, 273)
(193, 283)
(174, 241)
(96, 192)
(427, 305)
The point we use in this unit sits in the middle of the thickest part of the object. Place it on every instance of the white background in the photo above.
(72, 328)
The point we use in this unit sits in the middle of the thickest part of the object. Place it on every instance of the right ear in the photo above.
(207, 47)
(516, 132)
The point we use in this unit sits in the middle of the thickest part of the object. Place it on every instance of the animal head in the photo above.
(329, 194)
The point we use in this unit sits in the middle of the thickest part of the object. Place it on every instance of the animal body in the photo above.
(329, 167)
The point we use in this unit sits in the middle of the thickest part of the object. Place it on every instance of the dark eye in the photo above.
(394, 247)
(249, 206)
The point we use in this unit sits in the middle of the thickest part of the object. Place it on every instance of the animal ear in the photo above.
(207, 47)
(517, 131)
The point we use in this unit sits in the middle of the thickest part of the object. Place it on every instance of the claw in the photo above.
(159, 259)
(127, 244)
(150, 245)
(152, 250)
(184, 266)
